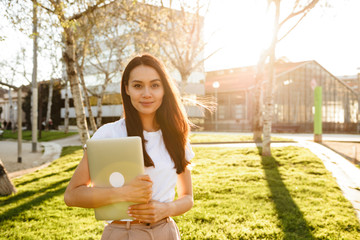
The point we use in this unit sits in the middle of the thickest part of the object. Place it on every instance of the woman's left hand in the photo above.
(150, 212)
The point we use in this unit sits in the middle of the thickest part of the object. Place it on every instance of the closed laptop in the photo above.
(114, 162)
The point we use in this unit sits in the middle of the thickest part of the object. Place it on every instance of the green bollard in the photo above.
(318, 115)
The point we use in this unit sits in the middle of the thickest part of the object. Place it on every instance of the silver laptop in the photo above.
(114, 162)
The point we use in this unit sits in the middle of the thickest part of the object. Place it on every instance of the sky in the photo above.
(331, 36)
(240, 29)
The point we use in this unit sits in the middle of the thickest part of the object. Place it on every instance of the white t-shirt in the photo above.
(163, 175)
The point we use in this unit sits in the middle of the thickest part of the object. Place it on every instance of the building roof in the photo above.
(352, 81)
(242, 78)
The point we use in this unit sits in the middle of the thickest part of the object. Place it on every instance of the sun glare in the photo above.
(249, 25)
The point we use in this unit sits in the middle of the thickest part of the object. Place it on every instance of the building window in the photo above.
(239, 111)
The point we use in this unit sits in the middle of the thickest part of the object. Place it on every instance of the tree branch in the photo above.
(293, 27)
(91, 9)
(8, 85)
(293, 14)
(42, 6)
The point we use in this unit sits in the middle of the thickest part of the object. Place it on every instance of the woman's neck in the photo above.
(149, 123)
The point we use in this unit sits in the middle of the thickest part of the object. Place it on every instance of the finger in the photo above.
(139, 207)
(145, 178)
(144, 212)
(145, 218)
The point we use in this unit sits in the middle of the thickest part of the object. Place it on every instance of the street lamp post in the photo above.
(216, 85)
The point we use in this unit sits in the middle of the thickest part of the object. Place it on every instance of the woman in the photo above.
(154, 112)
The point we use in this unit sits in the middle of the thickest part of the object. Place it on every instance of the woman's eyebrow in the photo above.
(154, 80)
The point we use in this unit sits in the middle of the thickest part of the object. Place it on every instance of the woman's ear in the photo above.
(127, 89)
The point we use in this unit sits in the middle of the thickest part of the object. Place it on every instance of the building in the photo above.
(293, 99)
(8, 106)
(353, 81)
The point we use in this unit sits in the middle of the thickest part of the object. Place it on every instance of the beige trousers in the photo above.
(165, 229)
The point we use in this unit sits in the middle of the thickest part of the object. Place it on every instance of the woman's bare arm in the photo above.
(79, 193)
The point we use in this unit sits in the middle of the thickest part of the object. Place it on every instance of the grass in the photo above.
(238, 195)
(45, 135)
(211, 137)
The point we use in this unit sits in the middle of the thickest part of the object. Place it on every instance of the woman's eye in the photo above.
(156, 85)
(137, 85)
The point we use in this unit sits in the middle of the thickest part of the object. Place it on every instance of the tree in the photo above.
(83, 36)
(66, 117)
(6, 186)
(299, 10)
(182, 40)
(106, 57)
(258, 97)
(67, 14)
(176, 36)
(55, 72)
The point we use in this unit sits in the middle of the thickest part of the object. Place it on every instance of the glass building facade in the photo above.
(293, 99)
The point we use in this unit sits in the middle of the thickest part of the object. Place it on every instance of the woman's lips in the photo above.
(146, 103)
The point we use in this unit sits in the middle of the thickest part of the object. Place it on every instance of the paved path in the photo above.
(46, 153)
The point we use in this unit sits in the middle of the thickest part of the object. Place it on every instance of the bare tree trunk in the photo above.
(99, 109)
(184, 79)
(19, 124)
(34, 88)
(6, 186)
(66, 115)
(100, 100)
(257, 125)
(48, 112)
(259, 79)
(12, 119)
(86, 98)
(266, 151)
(70, 61)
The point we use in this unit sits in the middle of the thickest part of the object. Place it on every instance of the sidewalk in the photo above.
(46, 153)
(346, 174)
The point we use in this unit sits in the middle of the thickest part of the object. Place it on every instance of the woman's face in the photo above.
(145, 90)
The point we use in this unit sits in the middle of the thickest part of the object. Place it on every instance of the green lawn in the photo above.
(238, 195)
(211, 137)
(45, 135)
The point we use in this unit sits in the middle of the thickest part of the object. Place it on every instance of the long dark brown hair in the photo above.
(170, 116)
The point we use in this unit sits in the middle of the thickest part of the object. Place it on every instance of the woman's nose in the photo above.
(146, 92)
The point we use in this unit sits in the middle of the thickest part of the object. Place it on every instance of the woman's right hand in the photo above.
(139, 190)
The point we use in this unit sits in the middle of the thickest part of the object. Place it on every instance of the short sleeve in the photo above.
(189, 153)
(96, 135)
(109, 130)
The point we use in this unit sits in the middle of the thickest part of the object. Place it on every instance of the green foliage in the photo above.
(45, 135)
(238, 195)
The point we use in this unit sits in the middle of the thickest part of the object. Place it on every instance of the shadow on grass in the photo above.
(43, 177)
(292, 220)
(69, 150)
(50, 192)
(35, 179)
